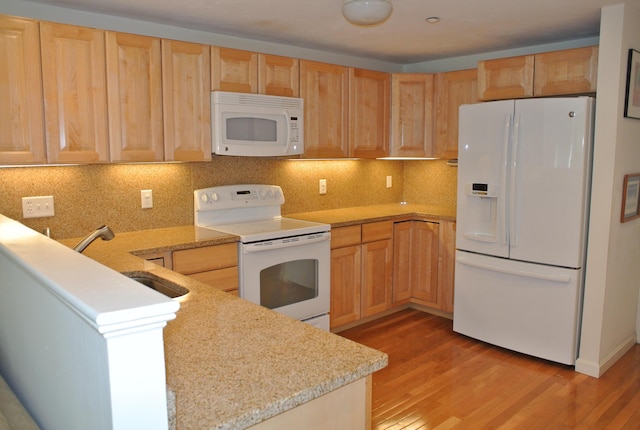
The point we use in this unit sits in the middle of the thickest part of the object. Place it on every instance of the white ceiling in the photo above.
(467, 26)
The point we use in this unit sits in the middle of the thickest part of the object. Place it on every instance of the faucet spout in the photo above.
(103, 232)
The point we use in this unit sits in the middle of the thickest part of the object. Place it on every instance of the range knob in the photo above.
(215, 197)
(204, 198)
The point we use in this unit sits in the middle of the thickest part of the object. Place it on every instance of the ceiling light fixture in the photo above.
(366, 12)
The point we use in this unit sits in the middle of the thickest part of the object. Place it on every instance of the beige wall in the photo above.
(613, 274)
(86, 197)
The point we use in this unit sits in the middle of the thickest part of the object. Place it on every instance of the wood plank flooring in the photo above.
(438, 379)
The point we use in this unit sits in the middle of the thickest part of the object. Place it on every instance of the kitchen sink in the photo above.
(163, 286)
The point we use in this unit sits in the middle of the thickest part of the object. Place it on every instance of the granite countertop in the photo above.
(230, 363)
(364, 214)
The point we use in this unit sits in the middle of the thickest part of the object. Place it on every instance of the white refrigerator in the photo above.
(524, 169)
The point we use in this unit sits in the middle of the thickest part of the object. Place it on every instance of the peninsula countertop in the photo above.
(231, 363)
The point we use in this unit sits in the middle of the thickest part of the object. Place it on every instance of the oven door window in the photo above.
(288, 283)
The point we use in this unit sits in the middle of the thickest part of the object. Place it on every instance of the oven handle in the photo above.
(287, 242)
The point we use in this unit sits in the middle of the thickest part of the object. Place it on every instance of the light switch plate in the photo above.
(389, 181)
(37, 207)
(146, 199)
(322, 186)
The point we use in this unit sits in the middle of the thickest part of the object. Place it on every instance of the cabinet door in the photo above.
(505, 78)
(452, 90)
(446, 265)
(424, 270)
(21, 120)
(368, 113)
(571, 71)
(278, 76)
(75, 95)
(134, 90)
(234, 70)
(346, 271)
(402, 262)
(325, 90)
(186, 101)
(377, 267)
(412, 115)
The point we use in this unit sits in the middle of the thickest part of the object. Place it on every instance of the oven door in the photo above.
(289, 275)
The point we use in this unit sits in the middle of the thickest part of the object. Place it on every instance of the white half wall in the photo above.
(610, 314)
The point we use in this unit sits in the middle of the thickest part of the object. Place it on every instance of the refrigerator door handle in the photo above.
(512, 181)
(502, 228)
(522, 273)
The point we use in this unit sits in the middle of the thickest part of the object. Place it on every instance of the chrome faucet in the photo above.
(103, 232)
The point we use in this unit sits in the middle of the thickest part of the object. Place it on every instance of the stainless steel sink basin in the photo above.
(163, 286)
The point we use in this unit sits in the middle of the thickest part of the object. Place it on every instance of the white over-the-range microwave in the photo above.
(256, 125)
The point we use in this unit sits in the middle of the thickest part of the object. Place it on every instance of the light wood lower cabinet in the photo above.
(446, 264)
(424, 263)
(377, 267)
(361, 271)
(415, 268)
(346, 275)
(213, 265)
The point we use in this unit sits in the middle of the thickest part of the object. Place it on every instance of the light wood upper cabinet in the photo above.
(452, 90)
(234, 70)
(325, 90)
(186, 69)
(75, 96)
(134, 97)
(572, 71)
(505, 78)
(412, 115)
(278, 76)
(368, 113)
(21, 119)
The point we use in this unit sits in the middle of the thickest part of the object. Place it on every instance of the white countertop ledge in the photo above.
(108, 300)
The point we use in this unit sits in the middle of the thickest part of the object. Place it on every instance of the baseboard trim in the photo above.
(595, 369)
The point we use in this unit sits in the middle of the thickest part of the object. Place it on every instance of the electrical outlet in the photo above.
(322, 185)
(37, 207)
(389, 181)
(146, 199)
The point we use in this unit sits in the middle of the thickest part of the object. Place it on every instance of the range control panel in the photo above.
(237, 196)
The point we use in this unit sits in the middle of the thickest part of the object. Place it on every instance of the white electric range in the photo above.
(283, 263)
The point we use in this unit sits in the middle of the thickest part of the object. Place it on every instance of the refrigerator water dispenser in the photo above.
(481, 211)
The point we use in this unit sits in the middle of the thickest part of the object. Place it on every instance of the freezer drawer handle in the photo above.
(523, 273)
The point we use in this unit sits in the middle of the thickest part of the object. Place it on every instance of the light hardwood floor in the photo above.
(438, 379)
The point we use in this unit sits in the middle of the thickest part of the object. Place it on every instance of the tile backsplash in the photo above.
(88, 196)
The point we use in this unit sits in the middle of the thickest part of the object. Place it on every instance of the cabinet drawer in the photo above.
(187, 261)
(377, 231)
(345, 236)
(223, 279)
